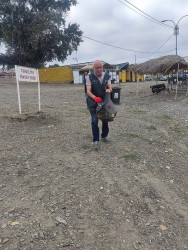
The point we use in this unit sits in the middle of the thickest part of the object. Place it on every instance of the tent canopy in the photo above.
(162, 65)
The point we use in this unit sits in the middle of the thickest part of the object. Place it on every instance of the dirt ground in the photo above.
(56, 192)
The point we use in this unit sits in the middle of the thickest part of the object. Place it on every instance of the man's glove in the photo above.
(98, 99)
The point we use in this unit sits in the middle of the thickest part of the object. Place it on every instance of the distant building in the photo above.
(186, 58)
(3, 74)
(74, 73)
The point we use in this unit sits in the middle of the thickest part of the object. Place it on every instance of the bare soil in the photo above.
(56, 192)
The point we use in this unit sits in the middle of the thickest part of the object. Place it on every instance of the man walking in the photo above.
(98, 83)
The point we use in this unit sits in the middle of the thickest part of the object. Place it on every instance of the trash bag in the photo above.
(106, 111)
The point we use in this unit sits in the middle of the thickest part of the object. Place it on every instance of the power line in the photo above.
(145, 14)
(163, 45)
(130, 50)
(150, 57)
(136, 11)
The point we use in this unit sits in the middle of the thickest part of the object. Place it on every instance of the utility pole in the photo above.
(176, 30)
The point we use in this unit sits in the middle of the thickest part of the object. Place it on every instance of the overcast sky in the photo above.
(118, 23)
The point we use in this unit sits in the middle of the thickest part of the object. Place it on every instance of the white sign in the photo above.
(24, 74)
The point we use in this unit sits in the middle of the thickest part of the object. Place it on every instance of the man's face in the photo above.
(98, 69)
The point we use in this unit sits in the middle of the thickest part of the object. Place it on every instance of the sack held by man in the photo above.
(106, 111)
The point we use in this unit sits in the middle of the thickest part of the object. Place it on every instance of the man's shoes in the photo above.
(105, 139)
(96, 145)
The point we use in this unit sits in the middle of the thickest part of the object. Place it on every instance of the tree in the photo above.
(54, 66)
(35, 31)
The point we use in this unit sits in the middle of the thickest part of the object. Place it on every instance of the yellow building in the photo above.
(122, 70)
(140, 78)
(74, 73)
(56, 74)
(127, 75)
(124, 75)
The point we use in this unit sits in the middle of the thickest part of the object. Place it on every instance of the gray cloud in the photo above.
(114, 23)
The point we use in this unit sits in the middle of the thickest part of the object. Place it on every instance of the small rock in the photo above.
(148, 224)
(12, 210)
(35, 235)
(21, 172)
(14, 223)
(81, 216)
(60, 220)
(5, 240)
(27, 166)
(162, 227)
(41, 234)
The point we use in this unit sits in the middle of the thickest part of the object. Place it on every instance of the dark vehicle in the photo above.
(148, 78)
(163, 78)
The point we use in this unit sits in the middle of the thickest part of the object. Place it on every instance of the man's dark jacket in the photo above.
(97, 89)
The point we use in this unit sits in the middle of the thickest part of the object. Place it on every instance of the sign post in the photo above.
(38, 89)
(25, 74)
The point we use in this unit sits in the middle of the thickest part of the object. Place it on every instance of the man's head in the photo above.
(98, 67)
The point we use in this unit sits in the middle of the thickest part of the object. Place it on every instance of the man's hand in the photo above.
(98, 99)
(108, 91)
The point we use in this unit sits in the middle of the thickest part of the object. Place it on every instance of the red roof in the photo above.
(3, 73)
